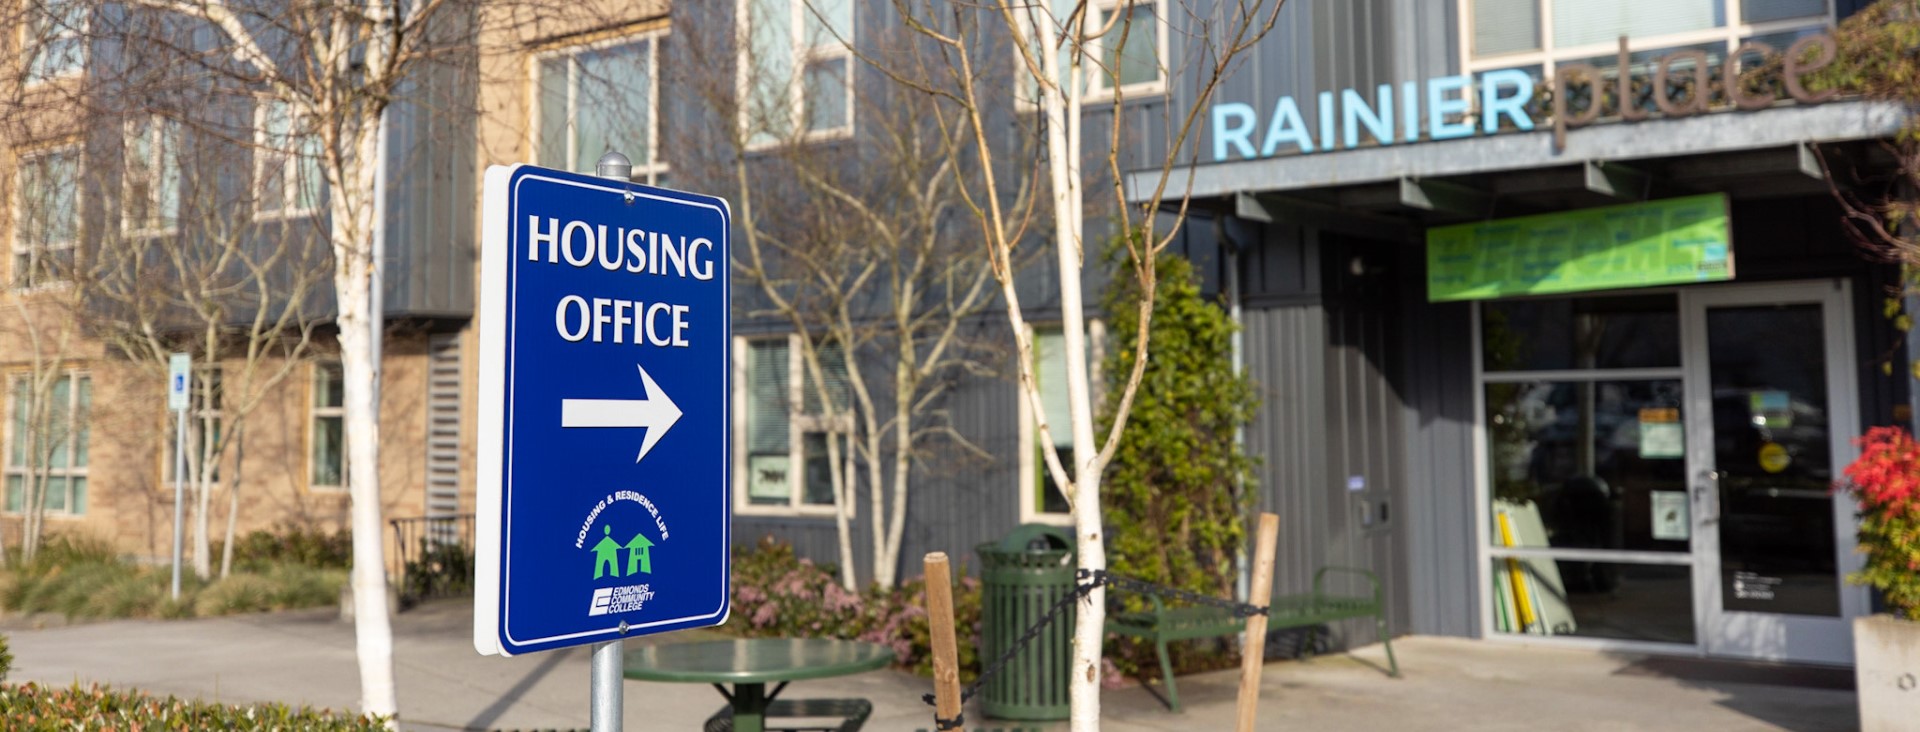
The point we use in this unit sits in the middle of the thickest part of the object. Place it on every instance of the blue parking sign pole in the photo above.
(604, 465)
(179, 397)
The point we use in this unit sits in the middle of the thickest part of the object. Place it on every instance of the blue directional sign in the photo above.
(605, 424)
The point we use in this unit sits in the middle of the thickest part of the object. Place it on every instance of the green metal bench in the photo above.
(1162, 625)
(847, 714)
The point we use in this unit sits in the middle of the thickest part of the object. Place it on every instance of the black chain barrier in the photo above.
(1089, 580)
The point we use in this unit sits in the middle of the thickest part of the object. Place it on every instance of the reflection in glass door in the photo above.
(1586, 466)
(1770, 406)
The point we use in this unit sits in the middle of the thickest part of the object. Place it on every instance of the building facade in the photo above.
(1420, 212)
(142, 191)
(1424, 206)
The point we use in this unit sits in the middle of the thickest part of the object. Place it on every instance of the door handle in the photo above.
(1706, 497)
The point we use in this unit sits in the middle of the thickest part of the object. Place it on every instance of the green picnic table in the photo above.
(750, 664)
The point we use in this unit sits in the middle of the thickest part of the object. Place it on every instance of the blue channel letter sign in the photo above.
(605, 423)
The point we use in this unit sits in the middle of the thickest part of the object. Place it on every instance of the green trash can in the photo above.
(1022, 576)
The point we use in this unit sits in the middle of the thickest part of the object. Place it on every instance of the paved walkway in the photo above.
(1450, 684)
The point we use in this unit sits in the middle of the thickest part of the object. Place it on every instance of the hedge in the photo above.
(34, 708)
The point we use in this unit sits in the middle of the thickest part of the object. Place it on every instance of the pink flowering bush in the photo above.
(1885, 479)
(777, 593)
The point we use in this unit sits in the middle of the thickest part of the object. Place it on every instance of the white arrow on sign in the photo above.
(657, 413)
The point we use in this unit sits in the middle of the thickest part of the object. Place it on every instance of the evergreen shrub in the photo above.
(82, 578)
(35, 708)
(1177, 493)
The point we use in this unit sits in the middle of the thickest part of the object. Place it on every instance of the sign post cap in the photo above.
(614, 165)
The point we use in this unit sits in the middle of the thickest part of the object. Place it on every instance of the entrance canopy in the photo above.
(1392, 192)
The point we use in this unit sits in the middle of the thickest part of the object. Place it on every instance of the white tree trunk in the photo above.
(201, 469)
(876, 492)
(354, 280)
(841, 473)
(902, 471)
(1061, 104)
(233, 499)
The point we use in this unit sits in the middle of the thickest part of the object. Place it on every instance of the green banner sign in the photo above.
(1674, 241)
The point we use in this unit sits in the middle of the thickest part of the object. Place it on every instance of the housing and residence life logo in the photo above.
(607, 564)
(616, 559)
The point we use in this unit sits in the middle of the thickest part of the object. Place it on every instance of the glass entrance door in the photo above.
(1768, 373)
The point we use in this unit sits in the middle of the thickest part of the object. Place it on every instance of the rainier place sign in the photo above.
(1443, 108)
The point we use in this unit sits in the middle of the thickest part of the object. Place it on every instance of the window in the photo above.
(1582, 402)
(1041, 499)
(150, 190)
(1535, 33)
(602, 98)
(796, 69)
(287, 175)
(47, 444)
(204, 427)
(47, 216)
(54, 31)
(1132, 53)
(328, 454)
(782, 462)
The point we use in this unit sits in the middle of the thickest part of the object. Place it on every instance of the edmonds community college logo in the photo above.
(606, 564)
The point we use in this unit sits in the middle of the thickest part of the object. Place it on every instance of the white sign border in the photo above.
(491, 470)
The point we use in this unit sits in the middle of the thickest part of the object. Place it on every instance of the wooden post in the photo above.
(946, 656)
(1255, 649)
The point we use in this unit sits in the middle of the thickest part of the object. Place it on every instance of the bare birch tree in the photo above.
(237, 295)
(47, 414)
(327, 72)
(1058, 53)
(851, 245)
(47, 220)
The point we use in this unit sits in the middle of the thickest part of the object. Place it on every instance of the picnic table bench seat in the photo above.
(1161, 625)
(844, 715)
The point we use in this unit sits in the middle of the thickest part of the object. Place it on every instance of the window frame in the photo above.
(163, 143)
(800, 425)
(804, 56)
(35, 251)
(315, 413)
(1548, 55)
(1096, 89)
(291, 161)
(1032, 470)
(32, 76)
(1093, 88)
(656, 168)
(73, 376)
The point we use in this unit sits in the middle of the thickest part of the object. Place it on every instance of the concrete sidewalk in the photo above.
(307, 658)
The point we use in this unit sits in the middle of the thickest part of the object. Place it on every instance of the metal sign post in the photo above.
(605, 427)
(607, 691)
(179, 395)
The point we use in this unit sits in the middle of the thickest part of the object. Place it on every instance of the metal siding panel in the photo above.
(430, 218)
(955, 501)
(1440, 551)
(1284, 348)
(969, 503)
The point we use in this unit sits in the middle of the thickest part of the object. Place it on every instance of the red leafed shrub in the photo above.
(1885, 480)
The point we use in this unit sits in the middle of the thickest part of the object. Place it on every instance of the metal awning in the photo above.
(1392, 191)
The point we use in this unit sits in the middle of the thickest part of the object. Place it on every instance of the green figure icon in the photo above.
(604, 559)
(639, 559)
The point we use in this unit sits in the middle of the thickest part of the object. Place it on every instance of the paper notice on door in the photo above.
(1771, 408)
(1670, 521)
(1660, 434)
